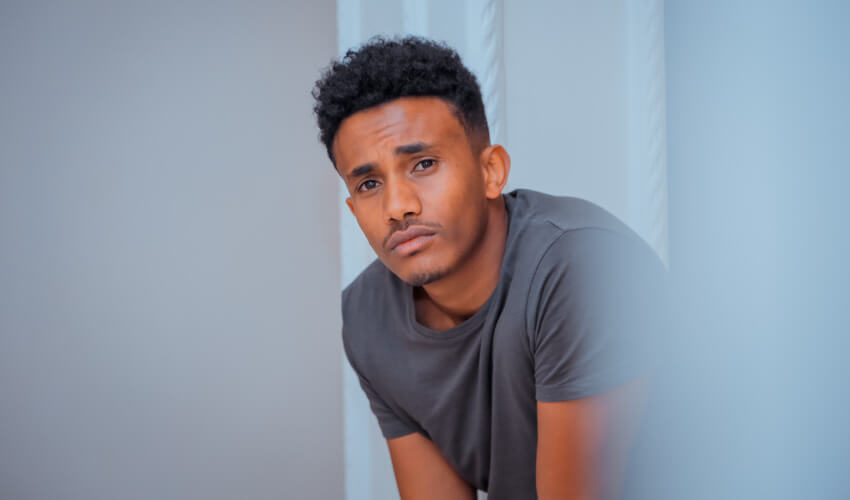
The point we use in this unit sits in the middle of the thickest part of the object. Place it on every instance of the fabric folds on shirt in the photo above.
(577, 311)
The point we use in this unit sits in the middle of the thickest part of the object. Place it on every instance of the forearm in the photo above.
(443, 490)
(422, 473)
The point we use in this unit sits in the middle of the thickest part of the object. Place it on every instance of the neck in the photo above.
(460, 294)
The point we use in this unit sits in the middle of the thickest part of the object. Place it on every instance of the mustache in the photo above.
(401, 226)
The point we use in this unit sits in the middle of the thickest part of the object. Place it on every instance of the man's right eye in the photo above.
(367, 185)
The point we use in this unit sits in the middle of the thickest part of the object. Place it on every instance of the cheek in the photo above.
(452, 192)
(454, 203)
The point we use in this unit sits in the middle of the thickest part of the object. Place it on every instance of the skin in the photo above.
(411, 162)
(583, 444)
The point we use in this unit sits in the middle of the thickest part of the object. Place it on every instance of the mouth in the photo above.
(410, 240)
(412, 246)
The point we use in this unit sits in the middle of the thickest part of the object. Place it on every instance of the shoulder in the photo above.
(586, 259)
(557, 233)
(364, 287)
(562, 213)
(595, 307)
(368, 304)
(599, 247)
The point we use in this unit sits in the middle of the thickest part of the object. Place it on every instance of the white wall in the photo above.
(585, 105)
(566, 87)
(169, 277)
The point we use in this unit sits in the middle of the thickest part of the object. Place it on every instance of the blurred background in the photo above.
(173, 239)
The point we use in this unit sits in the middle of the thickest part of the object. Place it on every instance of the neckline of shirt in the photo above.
(473, 322)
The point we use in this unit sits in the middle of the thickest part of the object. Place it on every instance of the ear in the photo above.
(350, 205)
(496, 165)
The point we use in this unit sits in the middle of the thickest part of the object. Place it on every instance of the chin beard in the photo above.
(420, 279)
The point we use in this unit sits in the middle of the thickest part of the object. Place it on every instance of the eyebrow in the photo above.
(361, 171)
(405, 149)
(409, 149)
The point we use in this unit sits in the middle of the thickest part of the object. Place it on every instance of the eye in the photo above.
(367, 185)
(425, 164)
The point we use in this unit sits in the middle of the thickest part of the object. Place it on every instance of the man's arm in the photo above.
(422, 473)
(582, 445)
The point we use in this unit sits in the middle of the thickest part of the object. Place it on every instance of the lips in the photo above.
(408, 234)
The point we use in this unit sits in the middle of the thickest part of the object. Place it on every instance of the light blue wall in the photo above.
(758, 107)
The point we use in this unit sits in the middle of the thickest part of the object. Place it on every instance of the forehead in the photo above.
(367, 134)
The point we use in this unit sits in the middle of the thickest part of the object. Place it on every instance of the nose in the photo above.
(400, 200)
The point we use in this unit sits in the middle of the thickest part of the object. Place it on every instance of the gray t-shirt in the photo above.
(572, 315)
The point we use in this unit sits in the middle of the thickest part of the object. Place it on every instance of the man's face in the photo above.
(417, 189)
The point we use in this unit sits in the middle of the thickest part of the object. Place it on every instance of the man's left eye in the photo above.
(425, 164)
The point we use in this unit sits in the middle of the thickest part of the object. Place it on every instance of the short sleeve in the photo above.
(595, 313)
(391, 425)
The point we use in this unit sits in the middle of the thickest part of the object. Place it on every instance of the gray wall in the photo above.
(169, 253)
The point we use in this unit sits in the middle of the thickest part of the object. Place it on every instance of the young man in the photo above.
(500, 338)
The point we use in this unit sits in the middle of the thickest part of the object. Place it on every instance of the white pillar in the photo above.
(647, 124)
(485, 57)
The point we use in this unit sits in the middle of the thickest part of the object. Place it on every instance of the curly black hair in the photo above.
(384, 69)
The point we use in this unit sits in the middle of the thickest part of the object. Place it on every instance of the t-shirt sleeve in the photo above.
(595, 312)
(390, 423)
